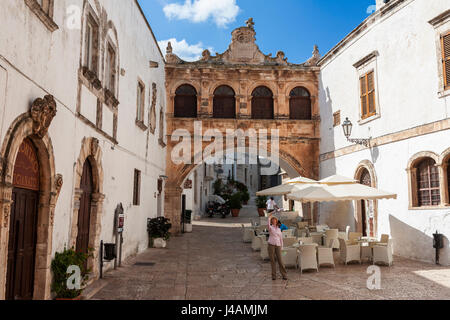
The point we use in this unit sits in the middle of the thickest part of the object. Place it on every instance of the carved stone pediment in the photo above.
(94, 146)
(242, 50)
(42, 112)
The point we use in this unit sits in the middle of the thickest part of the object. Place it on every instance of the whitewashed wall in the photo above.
(408, 84)
(35, 62)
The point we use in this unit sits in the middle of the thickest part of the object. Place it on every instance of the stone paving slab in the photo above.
(213, 263)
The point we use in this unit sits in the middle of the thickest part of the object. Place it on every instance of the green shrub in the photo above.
(236, 201)
(159, 228)
(261, 202)
(245, 196)
(60, 265)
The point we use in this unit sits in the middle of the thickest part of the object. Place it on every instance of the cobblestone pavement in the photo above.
(214, 263)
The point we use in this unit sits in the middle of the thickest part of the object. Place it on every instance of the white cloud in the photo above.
(222, 12)
(184, 50)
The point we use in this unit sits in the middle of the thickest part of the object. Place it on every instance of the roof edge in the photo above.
(150, 28)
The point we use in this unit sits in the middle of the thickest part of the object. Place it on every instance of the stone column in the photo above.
(172, 208)
(95, 231)
(76, 207)
(443, 184)
(5, 213)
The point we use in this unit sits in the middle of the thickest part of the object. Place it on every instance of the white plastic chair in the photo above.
(247, 234)
(325, 256)
(332, 236)
(264, 249)
(256, 243)
(349, 252)
(290, 257)
(353, 237)
(308, 257)
(383, 253)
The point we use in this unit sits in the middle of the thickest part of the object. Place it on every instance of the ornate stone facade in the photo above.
(243, 67)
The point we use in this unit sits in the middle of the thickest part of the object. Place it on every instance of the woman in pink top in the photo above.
(275, 246)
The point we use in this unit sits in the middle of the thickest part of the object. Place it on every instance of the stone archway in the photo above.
(90, 151)
(369, 208)
(299, 153)
(32, 125)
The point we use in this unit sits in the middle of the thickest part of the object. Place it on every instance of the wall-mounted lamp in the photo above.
(163, 177)
(348, 127)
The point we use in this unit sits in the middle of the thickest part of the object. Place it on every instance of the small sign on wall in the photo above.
(188, 184)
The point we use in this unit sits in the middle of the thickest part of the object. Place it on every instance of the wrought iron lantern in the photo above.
(347, 126)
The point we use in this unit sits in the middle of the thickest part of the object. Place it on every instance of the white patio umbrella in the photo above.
(287, 187)
(339, 192)
(338, 188)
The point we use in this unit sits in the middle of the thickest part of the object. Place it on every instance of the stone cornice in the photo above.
(440, 18)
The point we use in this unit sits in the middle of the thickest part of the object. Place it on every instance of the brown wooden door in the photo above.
(224, 107)
(367, 181)
(300, 108)
(23, 225)
(262, 108)
(84, 213)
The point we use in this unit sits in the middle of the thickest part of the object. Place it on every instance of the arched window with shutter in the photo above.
(185, 102)
(300, 104)
(445, 42)
(428, 189)
(262, 103)
(224, 104)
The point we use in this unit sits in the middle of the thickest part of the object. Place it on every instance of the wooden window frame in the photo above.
(365, 96)
(110, 69)
(429, 189)
(137, 187)
(337, 119)
(44, 12)
(444, 61)
(140, 105)
(91, 43)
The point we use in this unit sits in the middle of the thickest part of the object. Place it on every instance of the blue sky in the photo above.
(293, 26)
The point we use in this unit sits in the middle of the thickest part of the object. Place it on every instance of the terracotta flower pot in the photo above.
(235, 212)
(261, 212)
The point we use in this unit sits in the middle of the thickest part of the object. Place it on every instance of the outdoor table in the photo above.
(317, 237)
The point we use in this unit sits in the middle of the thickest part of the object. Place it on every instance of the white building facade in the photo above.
(95, 141)
(391, 78)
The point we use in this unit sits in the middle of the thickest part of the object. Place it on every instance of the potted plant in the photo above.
(158, 229)
(261, 205)
(188, 221)
(61, 265)
(236, 204)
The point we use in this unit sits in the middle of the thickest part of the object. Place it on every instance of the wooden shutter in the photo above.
(137, 188)
(446, 59)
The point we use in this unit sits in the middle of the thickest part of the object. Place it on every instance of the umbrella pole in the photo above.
(311, 204)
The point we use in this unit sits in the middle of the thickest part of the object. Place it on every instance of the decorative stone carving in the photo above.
(59, 181)
(94, 146)
(42, 112)
(170, 56)
(315, 57)
(152, 120)
(242, 50)
(250, 23)
(6, 212)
